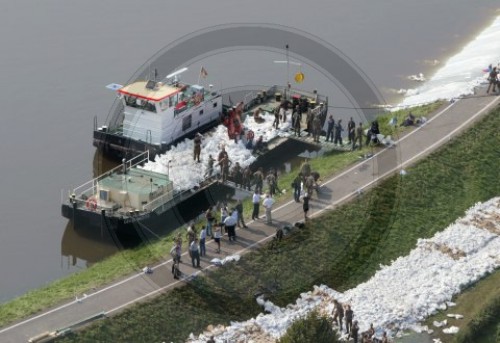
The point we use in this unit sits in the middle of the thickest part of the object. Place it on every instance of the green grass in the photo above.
(341, 249)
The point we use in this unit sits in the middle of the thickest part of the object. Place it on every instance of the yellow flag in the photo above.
(299, 77)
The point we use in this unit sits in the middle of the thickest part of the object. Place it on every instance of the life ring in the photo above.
(91, 203)
(250, 135)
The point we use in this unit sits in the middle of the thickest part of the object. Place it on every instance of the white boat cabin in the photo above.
(159, 113)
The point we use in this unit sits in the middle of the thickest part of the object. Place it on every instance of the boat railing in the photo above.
(164, 198)
(89, 188)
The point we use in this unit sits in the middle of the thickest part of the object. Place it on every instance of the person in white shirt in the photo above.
(268, 205)
(230, 224)
(195, 253)
(256, 203)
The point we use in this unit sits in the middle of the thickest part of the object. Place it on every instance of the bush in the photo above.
(313, 328)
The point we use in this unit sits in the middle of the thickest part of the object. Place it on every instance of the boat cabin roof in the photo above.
(138, 181)
(144, 90)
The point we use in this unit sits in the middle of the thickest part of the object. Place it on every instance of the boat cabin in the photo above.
(152, 110)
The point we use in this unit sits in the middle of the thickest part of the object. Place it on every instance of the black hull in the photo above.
(150, 225)
(118, 147)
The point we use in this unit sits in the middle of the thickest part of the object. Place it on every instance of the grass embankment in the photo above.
(341, 248)
(129, 261)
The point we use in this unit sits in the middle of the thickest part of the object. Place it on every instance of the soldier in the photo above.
(329, 129)
(296, 120)
(316, 128)
(210, 166)
(338, 132)
(351, 131)
(247, 178)
(197, 147)
(237, 175)
(258, 178)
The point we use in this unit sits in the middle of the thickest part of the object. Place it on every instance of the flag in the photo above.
(203, 73)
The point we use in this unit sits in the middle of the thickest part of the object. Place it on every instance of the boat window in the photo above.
(215, 104)
(164, 104)
(201, 112)
(140, 103)
(186, 123)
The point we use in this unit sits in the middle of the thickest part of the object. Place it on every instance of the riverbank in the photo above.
(366, 232)
(129, 261)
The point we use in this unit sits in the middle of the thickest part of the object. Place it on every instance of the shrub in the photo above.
(313, 328)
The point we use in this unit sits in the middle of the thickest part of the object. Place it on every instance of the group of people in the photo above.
(344, 311)
(229, 220)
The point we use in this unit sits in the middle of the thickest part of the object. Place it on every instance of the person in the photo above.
(276, 122)
(371, 331)
(256, 204)
(239, 209)
(203, 237)
(259, 144)
(223, 213)
(305, 169)
(268, 205)
(174, 253)
(305, 205)
(195, 253)
(316, 128)
(176, 272)
(197, 147)
(229, 224)
(338, 311)
(191, 233)
(211, 340)
(296, 119)
(384, 339)
(210, 166)
(258, 179)
(191, 236)
(250, 136)
(349, 314)
(222, 155)
(237, 175)
(256, 116)
(359, 136)
(372, 133)
(351, 128)
(409, 121)
(309, 184)
(210, 219)
(296, 185)
(247, 178)
(493, 79)
(218, 235)
(354, 331)
(309, 121)
(224, 164)
(271, 182)
(338, 133)
(329, 129)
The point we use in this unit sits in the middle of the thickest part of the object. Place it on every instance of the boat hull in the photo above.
(152, 224)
